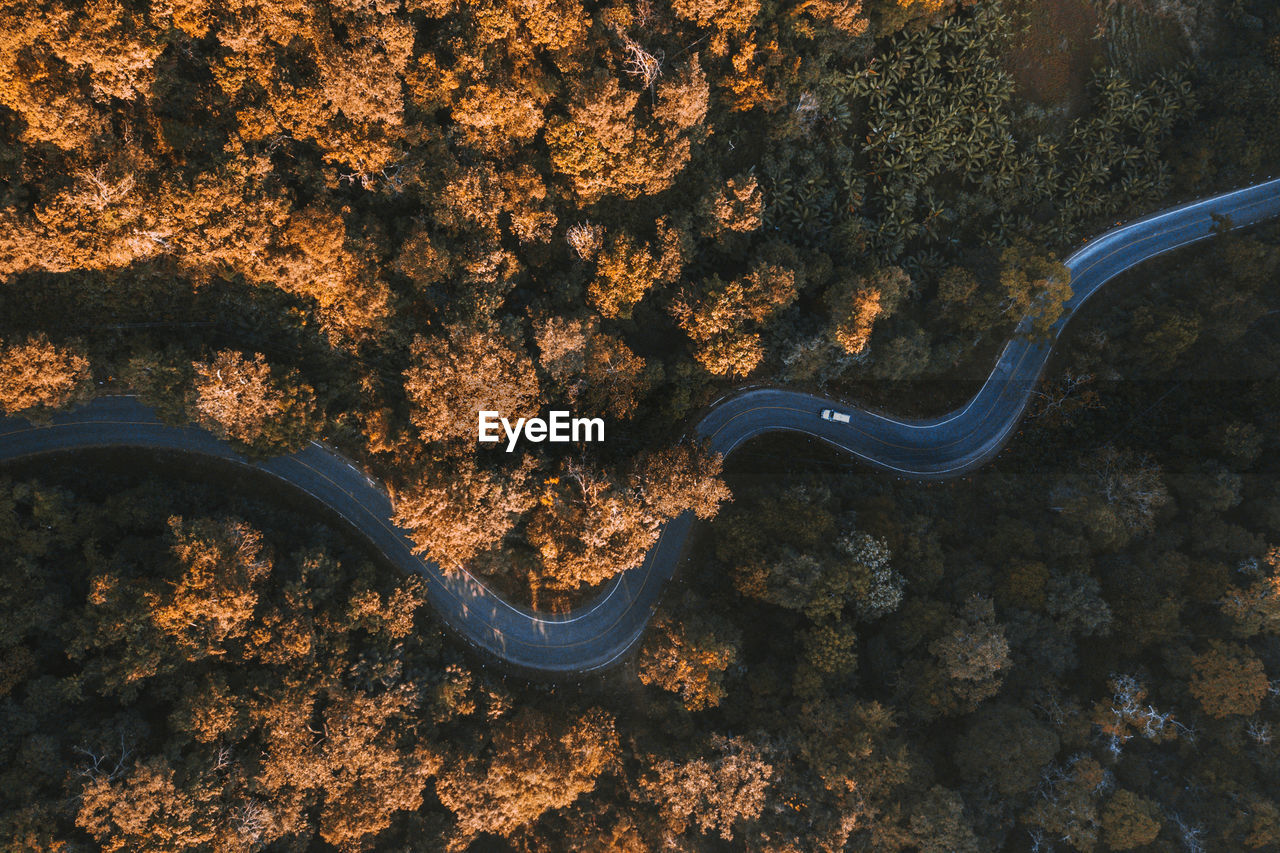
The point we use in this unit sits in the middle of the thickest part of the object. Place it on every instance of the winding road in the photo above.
(599, 633)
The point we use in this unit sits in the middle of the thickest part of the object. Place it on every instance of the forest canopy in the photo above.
(363, 224)
(360, 223)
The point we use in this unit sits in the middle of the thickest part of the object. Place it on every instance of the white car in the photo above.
(833, 415)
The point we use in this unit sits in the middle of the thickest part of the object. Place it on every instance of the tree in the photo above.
(588, 528)
(1129, 821)
(597, 372)
(856, 303)
(687, 654)
(725, 15)
(1165, 335)
(456, 508)
(956, 286)
(615, 379)
(853, 320)
(903, 356)
(976, 650)
(39, 375)
(969, 662)
(1228, 679)
(711, 795)
(1118, 497)
(626, 270)
(678, 479)
(1127, 714)
(143, 809)
(32, 84)
(468, 369)
(349, 104)
(603, 146)
(789, 550)
(306, 255)
(533, 763)
(1006, 746)
(738, 207)
(683, 98)
(1255, 607)
(1131, 486)
(557, 26)
(1263, 827)
(592, 524)
(226, 752)
(366, 772)
(341, 752)
(938, 824)
(210, 711)
(212, 601)
(1068, 809)
(1035, 286)
(162, 380)
(831, 648)
(248, 402)
(116, 48)
(1074, 600)
(720, 320)
(498, 117)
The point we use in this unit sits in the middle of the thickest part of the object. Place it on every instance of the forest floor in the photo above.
(1054, 60)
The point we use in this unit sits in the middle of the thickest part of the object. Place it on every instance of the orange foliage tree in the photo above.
(688, 658)
(533, 763)
(456, 508)
(590, 526)
(468, 369)
(721, 319)
(245, 400)
(40, 375)
(1228, 679)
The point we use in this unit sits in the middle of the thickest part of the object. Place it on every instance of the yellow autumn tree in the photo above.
(455, 508)
(467, 369)
(627, 269)
(532, 764)
(244, 400)
(39, 375)
(213, 599)
(688, 658)
(723, 316)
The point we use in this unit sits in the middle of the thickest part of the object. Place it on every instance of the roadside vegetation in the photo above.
(363, 223)
(1073, 649)
(289, 222)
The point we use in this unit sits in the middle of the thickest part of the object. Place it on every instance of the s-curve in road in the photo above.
(962, 440)
(602, 631)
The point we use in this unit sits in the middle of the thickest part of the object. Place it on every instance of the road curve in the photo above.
(600, 632)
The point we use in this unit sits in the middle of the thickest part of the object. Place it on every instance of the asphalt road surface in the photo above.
(600, 632)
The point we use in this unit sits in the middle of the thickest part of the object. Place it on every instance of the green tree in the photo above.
(1035, 285)
(1006, 746)
(938, 824)
(1129, 821)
